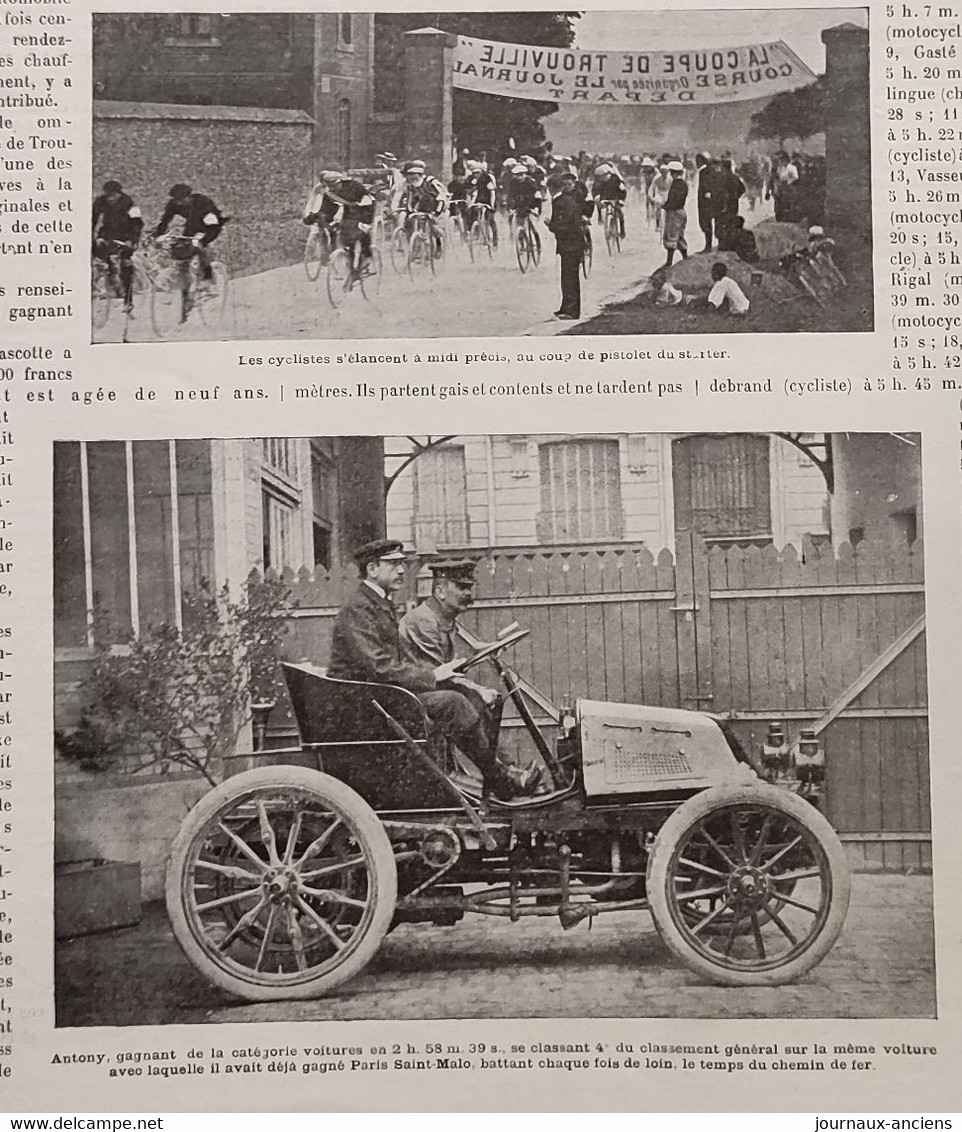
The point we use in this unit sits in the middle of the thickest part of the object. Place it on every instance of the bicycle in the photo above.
(587, 253)
(317, 251)
(611, 225)
(527, 243)
(425, 245)
(106, 286)
(481, 231)
(461, 229)
(177, 287)
(345, 269)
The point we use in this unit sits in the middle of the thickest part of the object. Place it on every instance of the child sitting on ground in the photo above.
(727, 290)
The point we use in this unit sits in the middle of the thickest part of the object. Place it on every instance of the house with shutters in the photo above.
(486, 492)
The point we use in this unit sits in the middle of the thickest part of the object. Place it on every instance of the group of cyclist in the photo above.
(118, 226)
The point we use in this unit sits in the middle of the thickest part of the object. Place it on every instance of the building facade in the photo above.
(482, 492)
(320, 63)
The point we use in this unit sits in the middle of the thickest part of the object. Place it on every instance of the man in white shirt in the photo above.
(727, 290)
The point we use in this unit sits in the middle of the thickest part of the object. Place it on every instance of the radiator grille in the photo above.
(629, 766)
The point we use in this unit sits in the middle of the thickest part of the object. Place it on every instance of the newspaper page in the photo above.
(479, 513)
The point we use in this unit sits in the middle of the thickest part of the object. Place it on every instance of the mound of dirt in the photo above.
(694, 273)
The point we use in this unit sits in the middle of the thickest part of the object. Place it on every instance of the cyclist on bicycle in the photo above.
(458, 198)
(117, 227)
(609, 186)
(348, 208)
(203, 223)
(423, 195)
(536, 173)
(482, 197)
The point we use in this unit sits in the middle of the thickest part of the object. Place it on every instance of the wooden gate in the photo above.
(830, 638)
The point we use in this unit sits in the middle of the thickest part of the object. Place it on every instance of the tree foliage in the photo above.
(180, 697)
(481, 121)
(792, 114)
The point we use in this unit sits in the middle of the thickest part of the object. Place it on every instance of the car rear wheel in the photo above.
(748, 885)
(281, 884)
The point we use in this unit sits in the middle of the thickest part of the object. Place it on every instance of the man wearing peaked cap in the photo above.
(428, 634)
(366, 645)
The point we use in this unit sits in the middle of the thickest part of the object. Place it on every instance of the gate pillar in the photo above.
(848, 157)
(429, 99)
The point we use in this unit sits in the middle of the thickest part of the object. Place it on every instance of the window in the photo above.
(441, 497)
(194, 30)
(132, 534)
(722, 486)
(344, 133)
(281, 499)
(580, 491)
(280, 456)
(322, 504)
(345, 31)
(279, 519)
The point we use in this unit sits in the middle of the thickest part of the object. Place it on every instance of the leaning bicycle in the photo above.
(317, 251)
(426, 245)
(481, 233)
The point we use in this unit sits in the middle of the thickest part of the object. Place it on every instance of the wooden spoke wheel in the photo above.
(748, 885)
(281, 884)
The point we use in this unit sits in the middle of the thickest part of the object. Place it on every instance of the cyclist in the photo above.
(535, 172)
(423, 195)
(203, 223)
(117, 227)
(524, 199)
(458, 198)
(608, 186)
(348, 210)
(388, 163)
(482, 197)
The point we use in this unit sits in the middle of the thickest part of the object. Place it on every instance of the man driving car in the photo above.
(428, 635)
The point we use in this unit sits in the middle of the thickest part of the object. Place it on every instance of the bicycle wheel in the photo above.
(210, 300)
(609, 234)
(338, 276)
(314, 254)
(371, 282)
(165, 302)
(586, 256)
(481, 238)
(100, 296)
(535, 241)
(419, 253)
(522, 250)
(438, 246)
(400, 250)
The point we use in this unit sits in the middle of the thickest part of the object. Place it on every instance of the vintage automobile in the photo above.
(284, 880)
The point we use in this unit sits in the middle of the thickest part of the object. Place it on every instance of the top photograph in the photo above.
(317, 176)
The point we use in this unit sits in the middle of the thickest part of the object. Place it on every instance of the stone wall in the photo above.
(256, 164)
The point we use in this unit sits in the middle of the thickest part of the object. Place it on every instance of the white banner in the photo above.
(705, 75)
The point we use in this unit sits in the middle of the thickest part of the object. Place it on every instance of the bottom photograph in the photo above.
(484, 726)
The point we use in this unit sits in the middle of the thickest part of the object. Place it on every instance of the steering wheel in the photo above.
(492, 649)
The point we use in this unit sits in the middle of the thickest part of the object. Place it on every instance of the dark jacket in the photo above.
(201, 217)
(677, 194)
(117, 220)
(566, 224)
(366, 645)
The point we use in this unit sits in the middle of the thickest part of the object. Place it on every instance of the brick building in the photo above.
(321, 64)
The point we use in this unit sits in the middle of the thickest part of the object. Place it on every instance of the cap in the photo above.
(457, 569)
(384, 549)
(676, 167)
(816, 230)
(414, 167)
(112, 187)
(387, 156)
